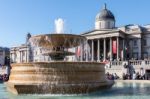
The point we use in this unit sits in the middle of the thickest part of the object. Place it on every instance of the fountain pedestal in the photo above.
(57, 78)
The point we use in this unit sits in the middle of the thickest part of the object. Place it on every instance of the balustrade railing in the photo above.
(116, 63)
(147, 62)
(131, 62)
(135, 62)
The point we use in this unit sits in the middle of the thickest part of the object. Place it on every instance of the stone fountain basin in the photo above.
(57, 78)
(57, 40)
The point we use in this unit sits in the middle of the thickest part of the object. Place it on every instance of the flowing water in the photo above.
(121, 90)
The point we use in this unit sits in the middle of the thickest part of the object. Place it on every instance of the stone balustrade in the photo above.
(140, 63)
(136, 62)
(147, 62)
(116, 63)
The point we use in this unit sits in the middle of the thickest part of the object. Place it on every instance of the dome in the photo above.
(105, 14)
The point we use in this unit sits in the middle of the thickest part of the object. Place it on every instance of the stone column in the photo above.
(27, 55)
(139, 54)
(87, 51)
(98, 50)
(117, 48)
(92, 50)
(123, 49)
(104, 58)
(20, 56)
(110, 48)
(14, 57)
(81, 47)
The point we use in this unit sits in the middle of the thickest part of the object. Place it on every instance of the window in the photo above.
(135, 42)
(144, 42)
(135, 55)
(145, 55)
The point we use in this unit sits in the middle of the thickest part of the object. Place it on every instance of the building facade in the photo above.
(4, 56)
(26, 53)
(108, 42)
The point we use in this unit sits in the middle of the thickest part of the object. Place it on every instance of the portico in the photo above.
(105, 46)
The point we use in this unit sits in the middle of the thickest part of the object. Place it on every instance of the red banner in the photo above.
(114, 47)
(78, 51)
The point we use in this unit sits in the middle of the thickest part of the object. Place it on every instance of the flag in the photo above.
(114, 47)
(78, 51)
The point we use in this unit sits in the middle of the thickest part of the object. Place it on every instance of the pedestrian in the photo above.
(134, 75)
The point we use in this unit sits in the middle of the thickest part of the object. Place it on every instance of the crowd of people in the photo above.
(4, 77)
(4, 73)
(113, 76)
(129, 73)
(134, 76)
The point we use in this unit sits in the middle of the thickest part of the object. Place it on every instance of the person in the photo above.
(124, 76)
(137, 76)
(111, 77)
(8, 70)
(142, 74)
(1, 78)
(107, 65)
(116, 76)
(125, 65)
(128, 76)
(107, 75)
(134, 75)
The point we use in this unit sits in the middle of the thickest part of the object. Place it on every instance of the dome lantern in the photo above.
(105, 19)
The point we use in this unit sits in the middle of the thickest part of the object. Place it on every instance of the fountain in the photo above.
(57, 76)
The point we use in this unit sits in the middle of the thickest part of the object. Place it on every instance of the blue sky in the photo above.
(18, 17)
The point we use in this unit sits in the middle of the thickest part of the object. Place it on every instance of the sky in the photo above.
(18, 17)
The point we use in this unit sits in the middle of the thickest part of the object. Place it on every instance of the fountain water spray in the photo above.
(59, 25)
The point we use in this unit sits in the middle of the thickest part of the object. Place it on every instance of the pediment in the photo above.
(103, 33)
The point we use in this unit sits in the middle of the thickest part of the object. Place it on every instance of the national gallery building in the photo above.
(108, 42)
